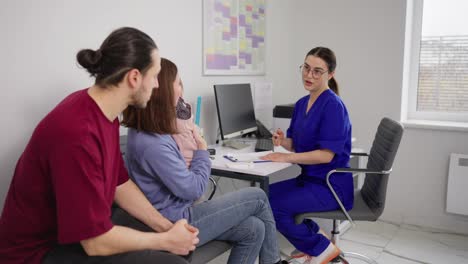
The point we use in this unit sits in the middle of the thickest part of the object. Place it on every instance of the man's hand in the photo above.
(166, 226)
(181, 238)
(130, 198)
(192, 229)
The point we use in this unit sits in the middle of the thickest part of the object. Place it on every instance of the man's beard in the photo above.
(138, 99)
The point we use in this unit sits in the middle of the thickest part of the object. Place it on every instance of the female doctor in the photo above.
(319, 137)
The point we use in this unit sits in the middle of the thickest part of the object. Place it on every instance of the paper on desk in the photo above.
(281, 149)
(256, 156)
(242, 165)
(250, 157)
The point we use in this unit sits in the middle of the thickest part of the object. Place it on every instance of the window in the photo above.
(436, 61)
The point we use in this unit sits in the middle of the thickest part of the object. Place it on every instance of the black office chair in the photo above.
(369, 201)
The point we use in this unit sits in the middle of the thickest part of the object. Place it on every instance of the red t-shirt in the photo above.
(64, 182)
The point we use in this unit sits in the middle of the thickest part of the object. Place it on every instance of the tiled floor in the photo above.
(396, 244)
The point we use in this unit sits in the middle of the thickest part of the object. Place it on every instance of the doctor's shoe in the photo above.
(330, 253)
(298, 254)
(300, 258)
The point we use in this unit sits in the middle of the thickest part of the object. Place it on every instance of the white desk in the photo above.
(261, 172)
(258, 172)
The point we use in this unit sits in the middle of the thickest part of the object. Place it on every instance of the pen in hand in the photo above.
(277, 138)
(274, 139)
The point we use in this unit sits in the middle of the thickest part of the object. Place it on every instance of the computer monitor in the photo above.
(235, 109)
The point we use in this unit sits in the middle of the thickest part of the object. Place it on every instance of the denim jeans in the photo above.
(243, 218)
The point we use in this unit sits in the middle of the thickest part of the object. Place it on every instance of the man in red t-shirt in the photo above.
(58, 207)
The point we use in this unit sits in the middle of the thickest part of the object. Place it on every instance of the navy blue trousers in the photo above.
(291, 197)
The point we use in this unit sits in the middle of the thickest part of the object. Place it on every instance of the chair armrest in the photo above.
(349, 170)
(363, 154)
(359, 170)
(214, 187)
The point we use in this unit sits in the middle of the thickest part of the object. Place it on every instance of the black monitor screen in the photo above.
(235, 108)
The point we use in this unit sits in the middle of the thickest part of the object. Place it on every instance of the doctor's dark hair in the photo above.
(328, 56)
(123, 50)
(159, 115)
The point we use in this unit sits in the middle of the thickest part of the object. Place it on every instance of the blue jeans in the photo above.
(243, 218)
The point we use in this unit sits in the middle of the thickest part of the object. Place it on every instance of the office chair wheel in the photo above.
(339, 259)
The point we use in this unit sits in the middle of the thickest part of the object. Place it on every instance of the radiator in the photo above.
(457, 187)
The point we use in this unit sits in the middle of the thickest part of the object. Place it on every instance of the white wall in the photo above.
(368, 38)
(40, 40)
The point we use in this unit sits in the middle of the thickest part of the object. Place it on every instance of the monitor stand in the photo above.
(234, 144)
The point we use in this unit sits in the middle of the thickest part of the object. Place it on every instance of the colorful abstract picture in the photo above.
(234, 37)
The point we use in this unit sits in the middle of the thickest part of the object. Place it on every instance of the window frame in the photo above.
(414, 23)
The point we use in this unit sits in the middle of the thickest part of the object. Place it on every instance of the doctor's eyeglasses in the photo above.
(316, 73)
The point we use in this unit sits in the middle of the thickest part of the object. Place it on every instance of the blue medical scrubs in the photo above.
(325, 126)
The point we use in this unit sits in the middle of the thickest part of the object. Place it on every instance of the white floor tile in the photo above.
(392, 244)
(369, 251)
(371, 233)
(386, 258)
(428, 247)
(422, 228)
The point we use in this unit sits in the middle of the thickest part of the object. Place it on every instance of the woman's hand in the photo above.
(278, 137)
(278, 157)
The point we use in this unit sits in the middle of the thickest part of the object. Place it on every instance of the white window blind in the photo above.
(436, 62)
(443, 74)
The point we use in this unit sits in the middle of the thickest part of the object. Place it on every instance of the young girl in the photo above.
(186, 133)
(186, 129)
(156, 164)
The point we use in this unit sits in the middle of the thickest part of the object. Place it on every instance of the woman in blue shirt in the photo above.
(319, 137)
(157, 166)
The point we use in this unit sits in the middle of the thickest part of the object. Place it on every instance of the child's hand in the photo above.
(199, 130)
(201, 143)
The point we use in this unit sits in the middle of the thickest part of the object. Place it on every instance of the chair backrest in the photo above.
(381, 157)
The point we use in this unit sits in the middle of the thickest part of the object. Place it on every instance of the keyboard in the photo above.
(263, 144)
(235, 144)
